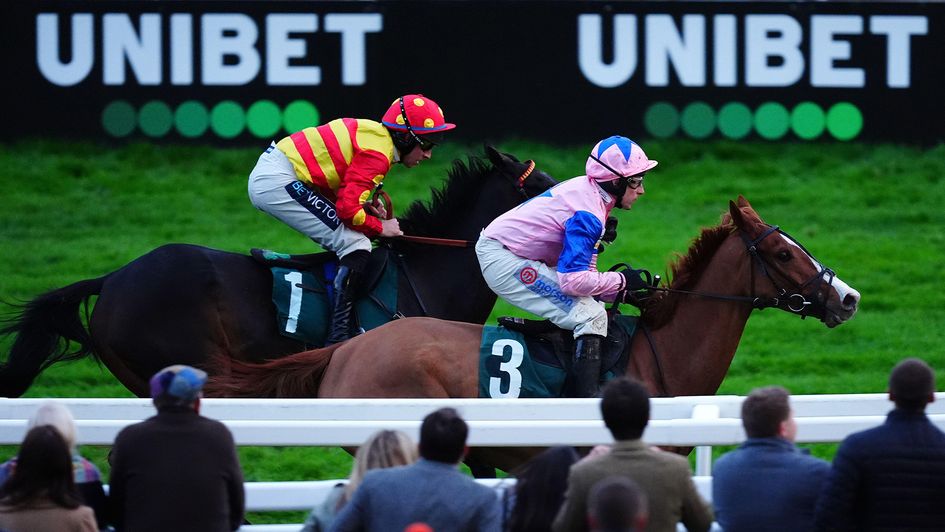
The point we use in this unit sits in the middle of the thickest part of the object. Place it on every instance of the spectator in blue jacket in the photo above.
(431, 492)
(891, 477)
(768, 483)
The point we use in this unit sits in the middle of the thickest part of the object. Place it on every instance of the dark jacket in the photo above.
(430, 492)
(767, 484)
(891, 477)
(176, 471)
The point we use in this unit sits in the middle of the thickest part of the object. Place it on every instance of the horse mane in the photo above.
(685, 271)
(296, 376)
(448, 202)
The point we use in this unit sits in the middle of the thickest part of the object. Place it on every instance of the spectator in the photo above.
(539, 490)
(890, 477)
(432, 491)
(616, 504)
(40, 495)
(385, 448)
(88, 480)
(664, 477)
(768, 483)
(177, 470)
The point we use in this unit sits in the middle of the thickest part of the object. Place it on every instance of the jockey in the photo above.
(320, 181)
(542, 255)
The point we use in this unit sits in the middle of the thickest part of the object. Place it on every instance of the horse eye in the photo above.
(784, 256)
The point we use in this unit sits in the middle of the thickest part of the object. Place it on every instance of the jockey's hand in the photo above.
(638, 286)
(390, 227)
(376, 210)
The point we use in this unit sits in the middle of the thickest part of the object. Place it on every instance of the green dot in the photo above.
(118, 118)
(807, 120)
(698, 120)
(661, 120)
(772, 120)
(263, 118)
(191, 119)
(844, 121)
(735, 120)
(155, 119)
(299, 115)
(227, 119)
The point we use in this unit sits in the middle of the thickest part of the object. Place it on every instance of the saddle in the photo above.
(554, 346)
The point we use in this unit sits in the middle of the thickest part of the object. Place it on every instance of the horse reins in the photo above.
(450, 242)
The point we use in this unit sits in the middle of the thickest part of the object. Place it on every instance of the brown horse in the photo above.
(692, 329)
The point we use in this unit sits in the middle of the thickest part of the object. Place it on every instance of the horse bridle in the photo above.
(796, 302)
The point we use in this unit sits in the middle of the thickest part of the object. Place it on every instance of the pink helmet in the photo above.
(616, 157)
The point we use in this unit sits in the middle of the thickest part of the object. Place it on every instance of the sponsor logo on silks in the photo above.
(316, 204)
(528, 275)
(546, 288)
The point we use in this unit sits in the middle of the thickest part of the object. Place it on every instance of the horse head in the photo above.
(528, 180)
(785, 275)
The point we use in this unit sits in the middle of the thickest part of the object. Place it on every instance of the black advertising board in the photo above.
(557, 71)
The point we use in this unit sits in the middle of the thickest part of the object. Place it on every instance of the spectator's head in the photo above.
(43, 468)
(385, 448)
(443, 436)
(625, 406)
(616, 504)
(177, 385)
(539, 489)
(766, 413)
(58, 416)
(912, 385)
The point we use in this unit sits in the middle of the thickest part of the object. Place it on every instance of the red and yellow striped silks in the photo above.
(344, 160)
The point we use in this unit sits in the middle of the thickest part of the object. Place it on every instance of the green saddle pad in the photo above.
(303, 311)
(507, 371)
(512, 365)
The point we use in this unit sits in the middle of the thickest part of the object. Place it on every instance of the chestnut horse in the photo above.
(691, 330)
(184, 304)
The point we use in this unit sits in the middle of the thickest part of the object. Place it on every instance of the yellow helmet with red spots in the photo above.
(416, 114)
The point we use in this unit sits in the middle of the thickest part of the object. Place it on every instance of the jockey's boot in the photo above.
(346, 280)
(586, 368)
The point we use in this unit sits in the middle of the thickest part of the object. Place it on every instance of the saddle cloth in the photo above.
(302, 292)
(526, 358)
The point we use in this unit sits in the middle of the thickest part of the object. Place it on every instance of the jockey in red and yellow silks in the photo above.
(320, 182)
(345, 160)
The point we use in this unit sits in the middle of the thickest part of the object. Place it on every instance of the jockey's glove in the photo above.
(636, 279)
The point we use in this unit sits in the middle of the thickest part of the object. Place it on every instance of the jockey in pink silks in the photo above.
(542, 255)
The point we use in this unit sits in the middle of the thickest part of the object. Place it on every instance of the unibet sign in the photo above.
(228, 49)
(771, 49)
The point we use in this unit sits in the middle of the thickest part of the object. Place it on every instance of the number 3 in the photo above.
(510, 367)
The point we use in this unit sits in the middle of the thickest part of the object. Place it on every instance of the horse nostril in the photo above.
(850, 301)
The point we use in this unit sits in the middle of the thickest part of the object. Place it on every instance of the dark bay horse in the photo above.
(738, 266)
(184, 304)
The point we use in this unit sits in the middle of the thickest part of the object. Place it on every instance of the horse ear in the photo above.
(498, 160)
(742, 202)
(735, 213)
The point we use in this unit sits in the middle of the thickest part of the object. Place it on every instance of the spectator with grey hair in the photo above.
(890, 477)
(768, 483)
(664, 477)
(177, 470)
(86, 476)
(617, 504)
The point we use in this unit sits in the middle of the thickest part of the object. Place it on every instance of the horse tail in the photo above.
(295, 376)
(40, 326)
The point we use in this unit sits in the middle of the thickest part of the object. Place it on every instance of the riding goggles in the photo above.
(632, 181)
